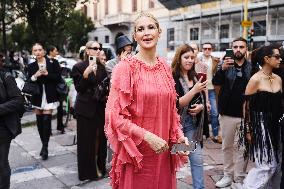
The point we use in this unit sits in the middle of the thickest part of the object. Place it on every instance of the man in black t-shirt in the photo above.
(230, 83)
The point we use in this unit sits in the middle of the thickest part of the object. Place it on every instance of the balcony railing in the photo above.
(116, 19)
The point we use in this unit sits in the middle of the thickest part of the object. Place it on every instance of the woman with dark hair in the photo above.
(90, 114)
(52, 52)
(193, 114)
(46, 74)
(260, 131)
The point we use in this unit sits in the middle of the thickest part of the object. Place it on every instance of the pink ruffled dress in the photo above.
(142, 98)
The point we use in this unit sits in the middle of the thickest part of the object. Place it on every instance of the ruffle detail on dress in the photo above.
(178, 161)
(123, 145)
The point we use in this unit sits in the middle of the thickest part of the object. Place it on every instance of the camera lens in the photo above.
(91, 58)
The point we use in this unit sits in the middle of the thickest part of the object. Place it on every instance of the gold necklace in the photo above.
(270, 78)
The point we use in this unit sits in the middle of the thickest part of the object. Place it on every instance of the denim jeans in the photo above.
(195, 158)
(213, 112)
(5, 171)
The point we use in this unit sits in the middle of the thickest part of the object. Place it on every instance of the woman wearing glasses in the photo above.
(193, 113)
(91, 144)
(261, 128)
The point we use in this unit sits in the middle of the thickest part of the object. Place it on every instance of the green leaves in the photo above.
(46, 21)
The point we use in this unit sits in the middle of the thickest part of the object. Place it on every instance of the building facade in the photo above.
(218, 22)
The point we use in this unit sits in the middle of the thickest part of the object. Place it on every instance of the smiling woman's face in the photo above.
(187, 61)
(146, 33)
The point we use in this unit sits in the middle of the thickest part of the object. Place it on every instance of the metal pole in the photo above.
(219, 26)
(200, 29)
(245, 32)
(267, 22)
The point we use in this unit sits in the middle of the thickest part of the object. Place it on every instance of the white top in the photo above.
(208, 62)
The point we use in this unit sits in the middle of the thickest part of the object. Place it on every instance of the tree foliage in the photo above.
(45, 21)
(46, 18)
(77, 28)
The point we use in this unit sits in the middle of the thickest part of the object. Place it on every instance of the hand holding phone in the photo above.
(229, 53)
(203, 75)
(182, 147)
(42, 67)
(92, 60)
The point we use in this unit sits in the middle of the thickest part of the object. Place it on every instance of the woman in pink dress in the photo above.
(141, 116)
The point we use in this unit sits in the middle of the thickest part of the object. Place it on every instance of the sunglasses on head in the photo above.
(95, 48)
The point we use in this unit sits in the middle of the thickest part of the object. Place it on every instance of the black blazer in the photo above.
(85, 104)
(11, 102)
(50, 81)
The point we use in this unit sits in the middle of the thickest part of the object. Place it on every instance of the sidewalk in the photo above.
(60, 170)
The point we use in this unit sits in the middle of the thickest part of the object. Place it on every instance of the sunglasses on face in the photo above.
(207, 49)
(95, 48)
(276, 56)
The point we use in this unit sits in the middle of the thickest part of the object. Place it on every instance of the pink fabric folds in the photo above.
(141, 98)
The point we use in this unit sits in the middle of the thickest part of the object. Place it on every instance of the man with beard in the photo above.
(230, 83)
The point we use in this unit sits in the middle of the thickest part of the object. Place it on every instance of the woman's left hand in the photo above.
(183, 140)
(208, 106)
(44, 72)
(195, 109)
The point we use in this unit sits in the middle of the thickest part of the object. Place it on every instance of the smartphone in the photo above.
(42, 67)
(230, 53)
(203, 75)
(183, 147)
(92, 60)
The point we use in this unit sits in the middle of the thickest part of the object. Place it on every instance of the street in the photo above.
(60, 170)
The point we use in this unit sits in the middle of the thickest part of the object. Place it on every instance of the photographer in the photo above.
(90, 114)
(230, 83)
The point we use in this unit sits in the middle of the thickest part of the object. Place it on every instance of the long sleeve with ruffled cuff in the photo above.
(142, 98)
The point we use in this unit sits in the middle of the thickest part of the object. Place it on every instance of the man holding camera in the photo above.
(230, 83)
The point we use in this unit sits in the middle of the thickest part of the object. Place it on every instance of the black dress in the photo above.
(262, 113)
(90, 115)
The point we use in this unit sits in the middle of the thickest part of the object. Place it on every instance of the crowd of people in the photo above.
(142, 107)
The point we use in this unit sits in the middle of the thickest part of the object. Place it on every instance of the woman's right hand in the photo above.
(87, 71)
(228, 62)
(199, 86)
(158, 144)
(38, 73)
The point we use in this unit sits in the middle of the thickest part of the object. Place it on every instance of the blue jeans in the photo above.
(213, 112)
(195, 158)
